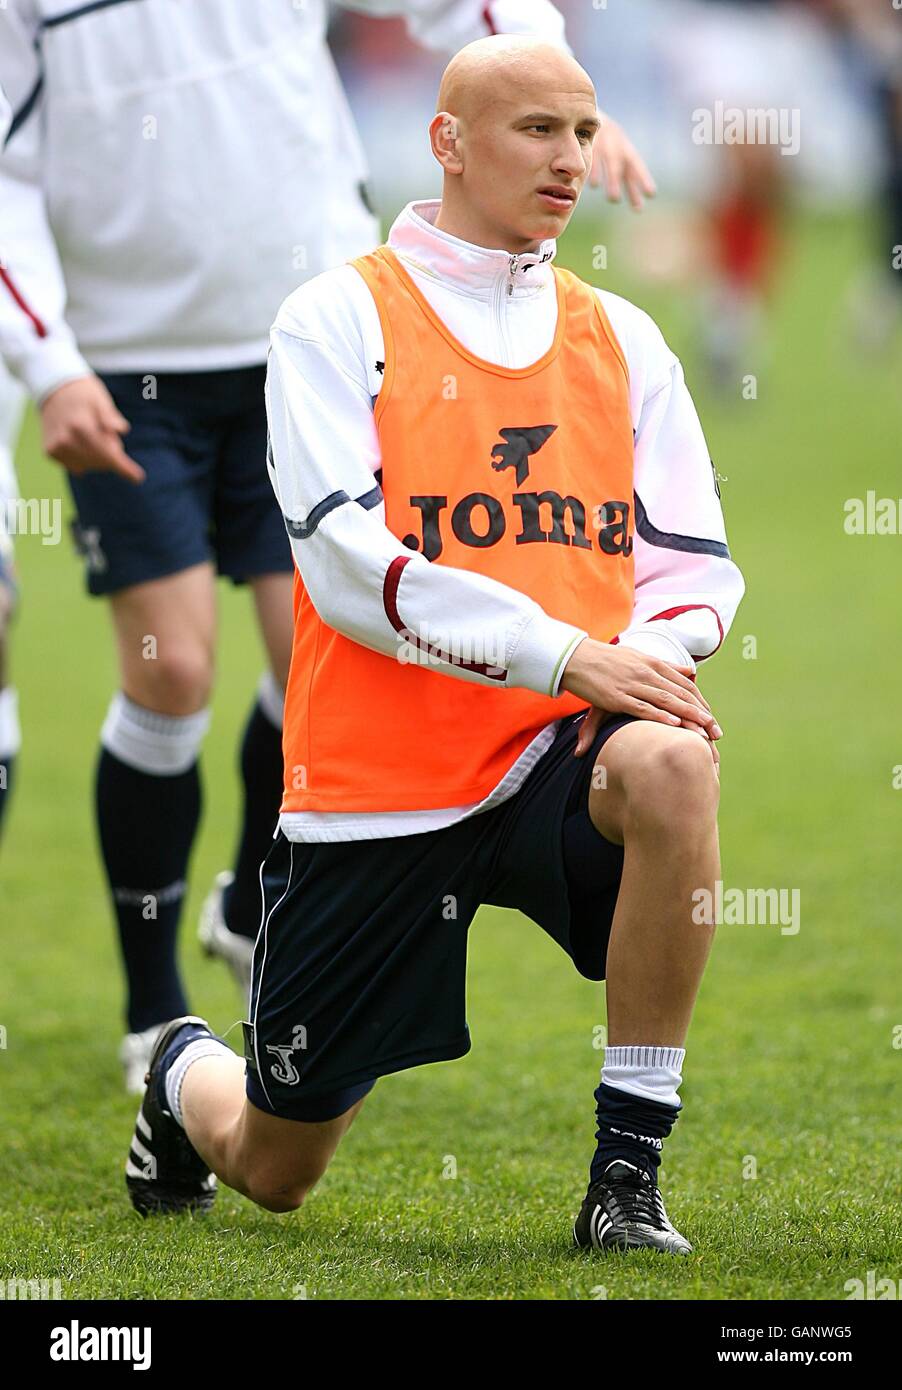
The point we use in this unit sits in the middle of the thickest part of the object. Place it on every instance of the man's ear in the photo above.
(443, 135)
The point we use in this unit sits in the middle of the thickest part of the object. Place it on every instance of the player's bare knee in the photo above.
(175, 679)
(279, 1200)
(281, 1189)
(672, 782)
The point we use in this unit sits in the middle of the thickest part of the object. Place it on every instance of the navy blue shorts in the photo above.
(207, 494)
(360, 966)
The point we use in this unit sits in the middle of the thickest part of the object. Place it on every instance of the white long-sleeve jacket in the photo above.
(324, 374)
(173, 170)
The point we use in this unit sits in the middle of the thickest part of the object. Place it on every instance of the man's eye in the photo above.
(540, 127)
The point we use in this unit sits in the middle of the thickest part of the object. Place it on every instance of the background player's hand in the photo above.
(619, 680)
(81, 429)
(616, 162)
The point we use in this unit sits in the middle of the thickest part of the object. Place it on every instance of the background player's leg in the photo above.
(9, 718)
(273, 1161)
(261, 756)
(12, 399)
(148, 785)
(273, 600)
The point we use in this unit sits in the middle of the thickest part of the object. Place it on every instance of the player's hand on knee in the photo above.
(711, 742)
(616, 162)
(620, 680)
(82, 430)
(596, 717)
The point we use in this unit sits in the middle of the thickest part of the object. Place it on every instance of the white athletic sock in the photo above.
(271, 698)
(175, 1076)
(654, 1073)
(161, 744)
(10, 733)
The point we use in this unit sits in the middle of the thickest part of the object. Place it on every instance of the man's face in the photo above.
(526, 158)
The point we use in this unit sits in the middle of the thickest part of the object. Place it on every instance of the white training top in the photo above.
(175, 168)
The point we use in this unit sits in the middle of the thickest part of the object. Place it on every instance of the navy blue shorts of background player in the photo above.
(360, 966)
(207, 494)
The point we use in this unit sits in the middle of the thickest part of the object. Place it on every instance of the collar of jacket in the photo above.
(459, 264)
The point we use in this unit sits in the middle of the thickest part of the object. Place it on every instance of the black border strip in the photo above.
(668, 540)
(303, 530)
(25, 109)
(80, 11)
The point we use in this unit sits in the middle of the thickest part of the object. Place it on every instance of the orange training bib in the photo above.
(523, 475)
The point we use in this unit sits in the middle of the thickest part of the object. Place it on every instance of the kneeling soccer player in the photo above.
(511, 555)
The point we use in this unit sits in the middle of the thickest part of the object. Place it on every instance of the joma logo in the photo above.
(479, 520)
(518, 446)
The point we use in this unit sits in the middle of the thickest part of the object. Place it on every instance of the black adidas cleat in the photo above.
(624, 1210)
(163, 1172)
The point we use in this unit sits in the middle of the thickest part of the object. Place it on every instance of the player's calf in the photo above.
(195, 1122)
(276, 1162)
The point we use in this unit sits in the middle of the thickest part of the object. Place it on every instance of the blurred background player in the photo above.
(870, 38)
(11, 402)
(740, 55)
(780, 59)
(147, 247)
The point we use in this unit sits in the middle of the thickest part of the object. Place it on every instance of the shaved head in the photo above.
(513, 131)
(497, 68)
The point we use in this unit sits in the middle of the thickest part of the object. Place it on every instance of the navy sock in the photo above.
(261, 772)
(7, 763)
(147, 825)
(632, 1128)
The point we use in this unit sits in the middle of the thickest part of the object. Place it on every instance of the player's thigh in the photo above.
(166, 637)
(360, 962)
(651, 771)
(131, 534)
(249, 536)
(275, 615)
(281, 1160)
(552, 865)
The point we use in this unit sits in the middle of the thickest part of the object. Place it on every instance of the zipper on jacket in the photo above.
(504, 289)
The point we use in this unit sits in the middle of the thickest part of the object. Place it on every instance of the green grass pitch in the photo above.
(791, 1068)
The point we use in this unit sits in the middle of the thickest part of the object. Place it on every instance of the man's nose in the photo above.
(569, 158)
